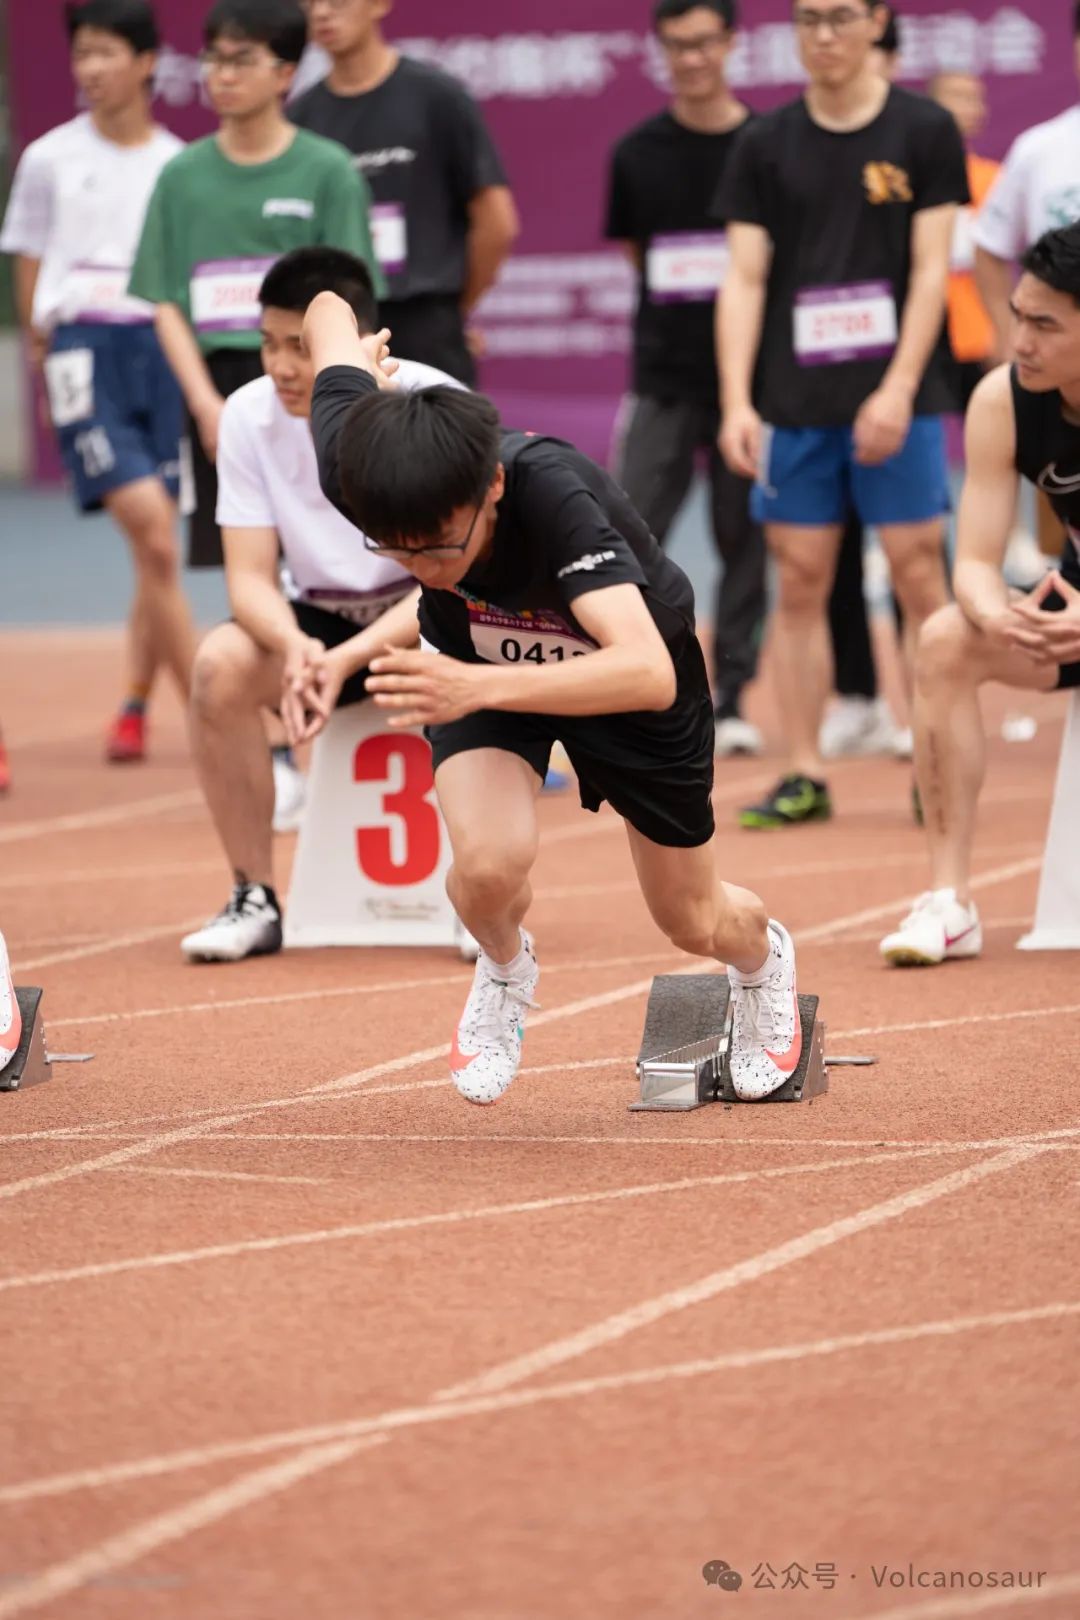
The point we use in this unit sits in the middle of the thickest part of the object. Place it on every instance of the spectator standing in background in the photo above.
(73, 223)
(859, 721)
(971, 331)
(841, 208)
(443, 217)
(224, 211)
(663, 182)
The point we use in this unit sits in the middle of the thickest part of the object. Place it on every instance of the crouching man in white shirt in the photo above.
(303, 653)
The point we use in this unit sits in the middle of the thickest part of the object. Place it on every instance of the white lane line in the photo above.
(970, 1019)
(113, 942)
(112, 814)
(869, 863)
(161, 1529)
(956, 1608)
(66, 879)
(662, 957)
(351, 1082)
(223, 1175)
(437, 1412)
(459, 1217)
(650, 1311)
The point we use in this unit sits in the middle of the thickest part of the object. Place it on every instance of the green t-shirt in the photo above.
(213, 228)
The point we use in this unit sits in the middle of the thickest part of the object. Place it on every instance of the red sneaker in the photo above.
(126, 739)
(5, 770)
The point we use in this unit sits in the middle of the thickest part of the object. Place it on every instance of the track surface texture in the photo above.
(290, 1332)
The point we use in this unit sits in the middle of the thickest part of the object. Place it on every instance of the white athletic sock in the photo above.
(517, 969)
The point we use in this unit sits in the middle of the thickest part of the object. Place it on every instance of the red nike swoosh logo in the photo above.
(956, 938)
(789, 1062)
(458, 1059)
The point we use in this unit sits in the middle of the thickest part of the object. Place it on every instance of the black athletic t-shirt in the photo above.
(1048, 453)
(421, 144)
(662, 188)
(564, 528)
(839, 210)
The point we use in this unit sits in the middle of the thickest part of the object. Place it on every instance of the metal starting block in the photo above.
(33, 1062)
(683, 1063)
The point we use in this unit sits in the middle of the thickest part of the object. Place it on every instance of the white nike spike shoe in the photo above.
(937, 929)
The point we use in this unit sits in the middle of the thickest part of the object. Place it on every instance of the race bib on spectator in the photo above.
(688, 268)
(834, 325)
(97, 295)
(390, 237)
(69, 382)
(355, 606)
(524, 638)
(225, 294)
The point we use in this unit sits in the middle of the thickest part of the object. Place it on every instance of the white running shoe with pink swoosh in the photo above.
(486, 1050)
(10, 1016)
(937, 929)
(766, 1031)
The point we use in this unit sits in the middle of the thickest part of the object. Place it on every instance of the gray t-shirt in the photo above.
(420, 142)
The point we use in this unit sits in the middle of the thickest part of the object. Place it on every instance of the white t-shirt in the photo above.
(77, 204)
(1038, 189)
(268, 479)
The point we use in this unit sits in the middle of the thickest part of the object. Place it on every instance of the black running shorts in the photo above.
(655, 770)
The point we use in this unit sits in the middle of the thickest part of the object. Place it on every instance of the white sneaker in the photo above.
(737, 736)
(904, 745)
(290, 795)
(1024, 563)
(250, 925)
(766, 1031)
(857, 726)
(10, 1016)
(487, 1043)
(938, 928)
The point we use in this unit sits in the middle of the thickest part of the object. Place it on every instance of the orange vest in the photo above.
(971, 331)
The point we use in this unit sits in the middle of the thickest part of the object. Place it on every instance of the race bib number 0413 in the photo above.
(527, 638)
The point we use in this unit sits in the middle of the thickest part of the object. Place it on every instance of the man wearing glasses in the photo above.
(549, 613)
(664, 176)
(841, 208)
(223, 211)
(303, 654)
(443, 217)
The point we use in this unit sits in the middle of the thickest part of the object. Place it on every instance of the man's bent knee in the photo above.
(947, 651)
(491, 878)
(224, 672)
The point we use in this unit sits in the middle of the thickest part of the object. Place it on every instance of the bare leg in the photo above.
(161, 620)
(801, 654)
(488, 800)
(142, 657)
(954, 660)
(917, 564)
(697, 911)
(232, 680)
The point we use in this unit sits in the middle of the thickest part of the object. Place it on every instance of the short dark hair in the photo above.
(132, 20)
(408, 461)
(1055, 260)
(667, 10)
(890, 38)
(1076, 19)
(277, 23)
(298, 277)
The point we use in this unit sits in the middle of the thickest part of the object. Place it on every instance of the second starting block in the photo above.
(683, 1061)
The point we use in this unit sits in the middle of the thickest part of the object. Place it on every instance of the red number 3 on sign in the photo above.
(376, 760)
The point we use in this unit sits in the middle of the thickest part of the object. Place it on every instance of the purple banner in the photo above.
(558, 89)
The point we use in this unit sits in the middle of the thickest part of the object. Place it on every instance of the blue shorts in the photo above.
(116, 408)
(810, 477)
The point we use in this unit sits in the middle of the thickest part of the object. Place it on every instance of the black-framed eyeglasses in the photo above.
(701, 46)
(838, 22)
(440, 550)
(242, 61)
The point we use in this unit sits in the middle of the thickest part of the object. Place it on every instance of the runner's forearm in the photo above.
(740, 315)
(980, 590)
(493, 227)
(259, 608)
(614, 680)
(26, 280)
(920, 326)
(185, 358)
(397, 627)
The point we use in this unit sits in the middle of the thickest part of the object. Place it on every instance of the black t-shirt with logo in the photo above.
(839, 209)
(1048, 453)
(662, 190)
(564, 528)
(421, 144)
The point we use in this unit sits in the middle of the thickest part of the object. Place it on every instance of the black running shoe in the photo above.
(792, 800)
